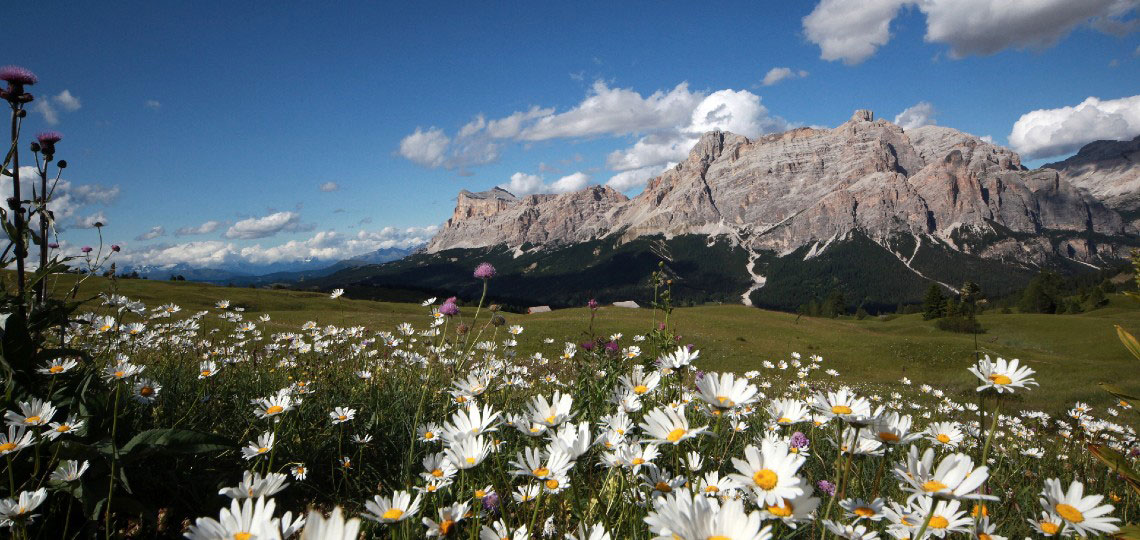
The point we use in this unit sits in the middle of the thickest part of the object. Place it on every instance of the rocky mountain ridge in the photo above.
(811, 187)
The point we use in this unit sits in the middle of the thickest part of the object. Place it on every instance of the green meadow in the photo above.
(1071, 353)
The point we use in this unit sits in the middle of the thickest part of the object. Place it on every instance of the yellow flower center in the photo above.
(1070, 513)
(550, 419)
(7, 447)
(1000, 379)
(119, 374)
(766, 479)
(939, 522)
(274, 409)
(437, 473)
(933, 485)
(782, 511)
(146, 391)
(783, 420)
(32, 419)
(711, 489)
(718, 537)
(541, 472)
(984, 509)
(470, 461)
(663, 487)
(56, 369)
(675, 435)
(342, 418)
(1049, 527)
(552, 483)
(429, 435)
(863, 511)
(460, 399)
(637, 461)
(943, 438)
(262, 450)
(446, 526)
(206, 372)
(888, 436)
(840, 409)
(63, 428)
(984, 536)
(242, 536)
(479, 494)
(392, 513)
(640, 389)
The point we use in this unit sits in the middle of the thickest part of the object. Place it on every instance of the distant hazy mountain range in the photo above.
(868, 208)
(294, 272)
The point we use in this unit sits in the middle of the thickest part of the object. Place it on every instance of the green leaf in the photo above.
(1128, 532)
(1118, 392)
(173, 441)
(1117, 463)
(1129, 341)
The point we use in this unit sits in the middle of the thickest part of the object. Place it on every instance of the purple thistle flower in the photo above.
(115, 248)
(49, 137)
(449, 308)
(798, 440)
(18, 76)
(612, 346)
(86, 249)
(700, 375)
(491, 502)
(484, 271)
(53, 245)
(587, 345)
(826, 487)
(592, 304)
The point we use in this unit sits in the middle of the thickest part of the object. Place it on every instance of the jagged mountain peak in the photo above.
(807, 187)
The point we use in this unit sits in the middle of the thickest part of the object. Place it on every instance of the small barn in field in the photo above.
(538, 309)
(626, 304)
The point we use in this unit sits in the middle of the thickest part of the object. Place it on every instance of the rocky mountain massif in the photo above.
(867, 208)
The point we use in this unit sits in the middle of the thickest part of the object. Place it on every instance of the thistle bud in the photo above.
(498, 320)
(461, 329)
(495, 308)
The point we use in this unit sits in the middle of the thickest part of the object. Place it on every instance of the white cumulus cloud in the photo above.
(153, 233)
(852, 31)
(427, 148)
(1054, 132)
(778, 74)
(329, 186)
(205, 228)
(323, 245)
(522, 184)
(634, 179)
(917, 115)
(265, 226)
(47, 106)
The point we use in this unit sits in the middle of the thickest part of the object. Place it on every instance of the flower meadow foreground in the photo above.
(440, 428)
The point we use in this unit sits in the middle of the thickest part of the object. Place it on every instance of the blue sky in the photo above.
(221, 112)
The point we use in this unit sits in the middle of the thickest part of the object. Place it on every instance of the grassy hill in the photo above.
(1071, 353)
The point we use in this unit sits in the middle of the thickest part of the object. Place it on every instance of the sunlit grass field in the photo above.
(1072, 353)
